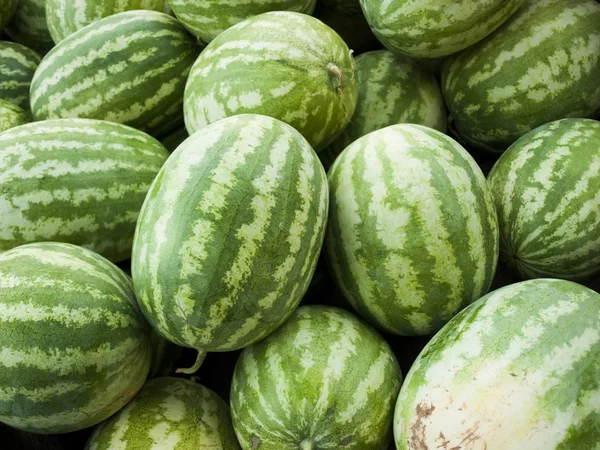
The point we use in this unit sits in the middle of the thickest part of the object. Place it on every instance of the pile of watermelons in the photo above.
(299, 225)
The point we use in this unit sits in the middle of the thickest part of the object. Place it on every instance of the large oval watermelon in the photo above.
(523, 76)
(229, 234)
(29, 26)
(433, 28)
(412, 236)
(286, 65)
(128, 68)
(324, 380)
(65, 17)
(518, 369)
(168, 414)
(74, 347)
(80, 181)
(547, 192)
(17, 66)
(11, 116)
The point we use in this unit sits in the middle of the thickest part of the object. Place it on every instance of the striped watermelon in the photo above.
(209, 18)
(430, 28)
(128, 68)
(519, 369)
(29, 26)
(523, 76)
(7, 11)
(547, 192)
(11, 116)
(74, 348)
(391, 89)
(168, 414)
(81, 181)
(174, 139)
(65, 17)
(17, 66)
(324, 380)
(286, 65)
(228, 271)
(412, 236)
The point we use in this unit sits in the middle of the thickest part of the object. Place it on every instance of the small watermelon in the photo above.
(29, 26)
(17, 66)
(11, 116)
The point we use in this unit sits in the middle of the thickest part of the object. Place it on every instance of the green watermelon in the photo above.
(433, 28)
(523, 75)
(209, 18)
(80, 181)
(7, 11)
(518, 369)
(74, 348)
(174, 139)
(412, 236)
(324, 380)
(391, 89)
(128, 68)
(17, 66)
(547, 192)
(168, 414)
(29, 26)
(230, 233)
(11, 116)
(286, 65)
(65, 17)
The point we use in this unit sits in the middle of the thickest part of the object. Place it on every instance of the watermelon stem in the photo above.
(337, 73)
(196, 366)
(307, 444)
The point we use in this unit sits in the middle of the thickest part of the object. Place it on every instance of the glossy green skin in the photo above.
(546, 187)
(518, 369)
(323, 380)
(17, 66)
(74, 347)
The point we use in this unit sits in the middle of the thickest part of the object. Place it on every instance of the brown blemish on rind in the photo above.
(255, 442)
(346, 441)
(416, 439)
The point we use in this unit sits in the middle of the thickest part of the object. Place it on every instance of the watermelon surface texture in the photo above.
(523, 76)
(80, 181)
(168, 414)
(432, 29)
(65, 17)
(135, 65)
(210, 18)
(17, 66)
(227, 271)
(29, 26)
(547, 192)
(285, 65)
(11, 116)
(74, 346)
(412, 236)
(391, 89)
(518, 369)
(323, 380)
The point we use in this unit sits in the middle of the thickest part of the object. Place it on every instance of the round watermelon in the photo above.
(11, 116)
(518, 369)
(209, 18)
(74, 347)
(285, 65)
(523, 76)
(391, 89)
(412, 236)
(230, 233)
(547, 192)
(324, 380)
(17, 66)
(29, 26)
(168, 414)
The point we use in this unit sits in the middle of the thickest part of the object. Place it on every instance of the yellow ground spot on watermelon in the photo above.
(42, 394)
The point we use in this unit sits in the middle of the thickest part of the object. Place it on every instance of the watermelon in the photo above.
(209, 18)
(391, 89)
(230, 233)
(17, 66)
(324, 380)
(11, 116)
(74, 348)
(168, 414)
(523, 76)
(518, 369)
(65, 17)
(80, 181)
(412, 236)
(7, 11)
(430, 28)
(547, 192)
(285, 65)
(29, 26)
(174, 139)
(128, 68)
